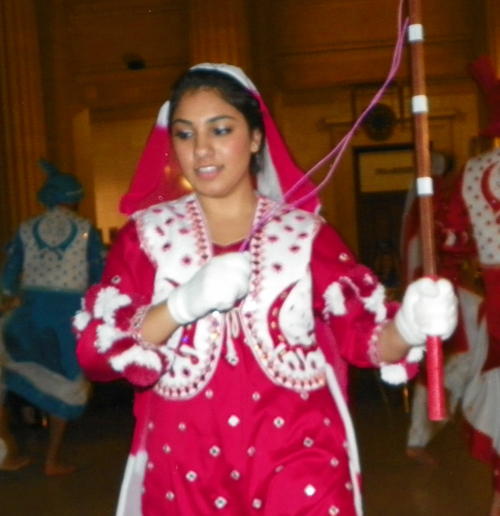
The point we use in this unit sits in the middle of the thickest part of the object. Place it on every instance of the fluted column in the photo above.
(219, 32)
(22, 127)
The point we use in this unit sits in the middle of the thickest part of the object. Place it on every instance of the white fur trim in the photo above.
(107, 336)
(267, 180)
(295, 322)
(81, 320)
(334, 299)
(234, 71)
(395, 374)
(415, 354)
(451, 238)
(352, 447)
(136, 355)
(130, 501)
(162, 120)
(375, 303)
(108, 301)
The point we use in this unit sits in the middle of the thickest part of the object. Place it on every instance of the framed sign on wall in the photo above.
(385, 168)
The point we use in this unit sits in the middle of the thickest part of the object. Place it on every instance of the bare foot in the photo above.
(58, 469)
(495, 506)
(422, 456)
(14, 463)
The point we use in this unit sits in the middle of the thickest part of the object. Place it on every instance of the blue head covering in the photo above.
(59, 188)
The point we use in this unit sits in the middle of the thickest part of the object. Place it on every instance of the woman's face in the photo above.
(213, 144)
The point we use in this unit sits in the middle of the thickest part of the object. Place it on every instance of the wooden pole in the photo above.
(437, 408)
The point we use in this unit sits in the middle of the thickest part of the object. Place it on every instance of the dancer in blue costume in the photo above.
(51, 261)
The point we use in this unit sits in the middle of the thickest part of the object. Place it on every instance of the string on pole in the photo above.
(334, 156)
(412, 26)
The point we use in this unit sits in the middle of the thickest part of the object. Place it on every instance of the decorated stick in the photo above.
(437, 410)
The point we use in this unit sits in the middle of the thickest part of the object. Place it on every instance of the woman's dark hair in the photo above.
(233, 92)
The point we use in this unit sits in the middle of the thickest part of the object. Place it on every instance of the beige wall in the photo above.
(117, 147)
(310, 59)
(314, 124)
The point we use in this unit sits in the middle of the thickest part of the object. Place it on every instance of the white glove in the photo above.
(218, 285)
(429, 308)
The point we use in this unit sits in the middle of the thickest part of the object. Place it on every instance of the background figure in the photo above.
(481, 196)
(449, 244)
(387, 269)
(410, 250)
(51, 261)
(472, 374)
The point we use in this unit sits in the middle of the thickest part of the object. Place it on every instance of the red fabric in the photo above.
(289, 174)
(135, 271)
(457, 220)
(455, 245)
(156, 180)
(411, 264)
(453, 219)
(183, 437)
(454, 242)
(492, 309)
(482, 447)
(483, 72)
(136, 277)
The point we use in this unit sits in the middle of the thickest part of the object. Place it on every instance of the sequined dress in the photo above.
(241, 413)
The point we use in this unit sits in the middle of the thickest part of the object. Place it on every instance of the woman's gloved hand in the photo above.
(218, 285)
(429, 307)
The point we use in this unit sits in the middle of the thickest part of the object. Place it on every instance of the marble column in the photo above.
(219, 32)
(22, 125)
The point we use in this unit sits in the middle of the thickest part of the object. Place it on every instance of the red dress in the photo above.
(243, 444)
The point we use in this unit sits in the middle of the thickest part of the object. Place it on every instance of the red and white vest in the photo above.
(276, 316)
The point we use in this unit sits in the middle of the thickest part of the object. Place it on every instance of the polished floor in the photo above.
(393, 485)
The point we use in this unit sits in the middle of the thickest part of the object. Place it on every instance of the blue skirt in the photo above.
(41, 347)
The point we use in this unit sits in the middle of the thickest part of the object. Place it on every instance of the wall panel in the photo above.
(307, 56)
(316, 25)
(116, 89)
(321, 44)
(104, 38)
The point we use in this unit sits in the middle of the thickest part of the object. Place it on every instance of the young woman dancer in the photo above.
(234, 315)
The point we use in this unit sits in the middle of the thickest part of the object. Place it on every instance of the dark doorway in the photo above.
(379, 225)
(382, 187)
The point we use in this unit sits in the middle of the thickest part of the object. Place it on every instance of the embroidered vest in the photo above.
(276, 315)
(55, 251)
(481, 192)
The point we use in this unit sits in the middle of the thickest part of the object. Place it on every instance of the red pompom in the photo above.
(141, 376)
